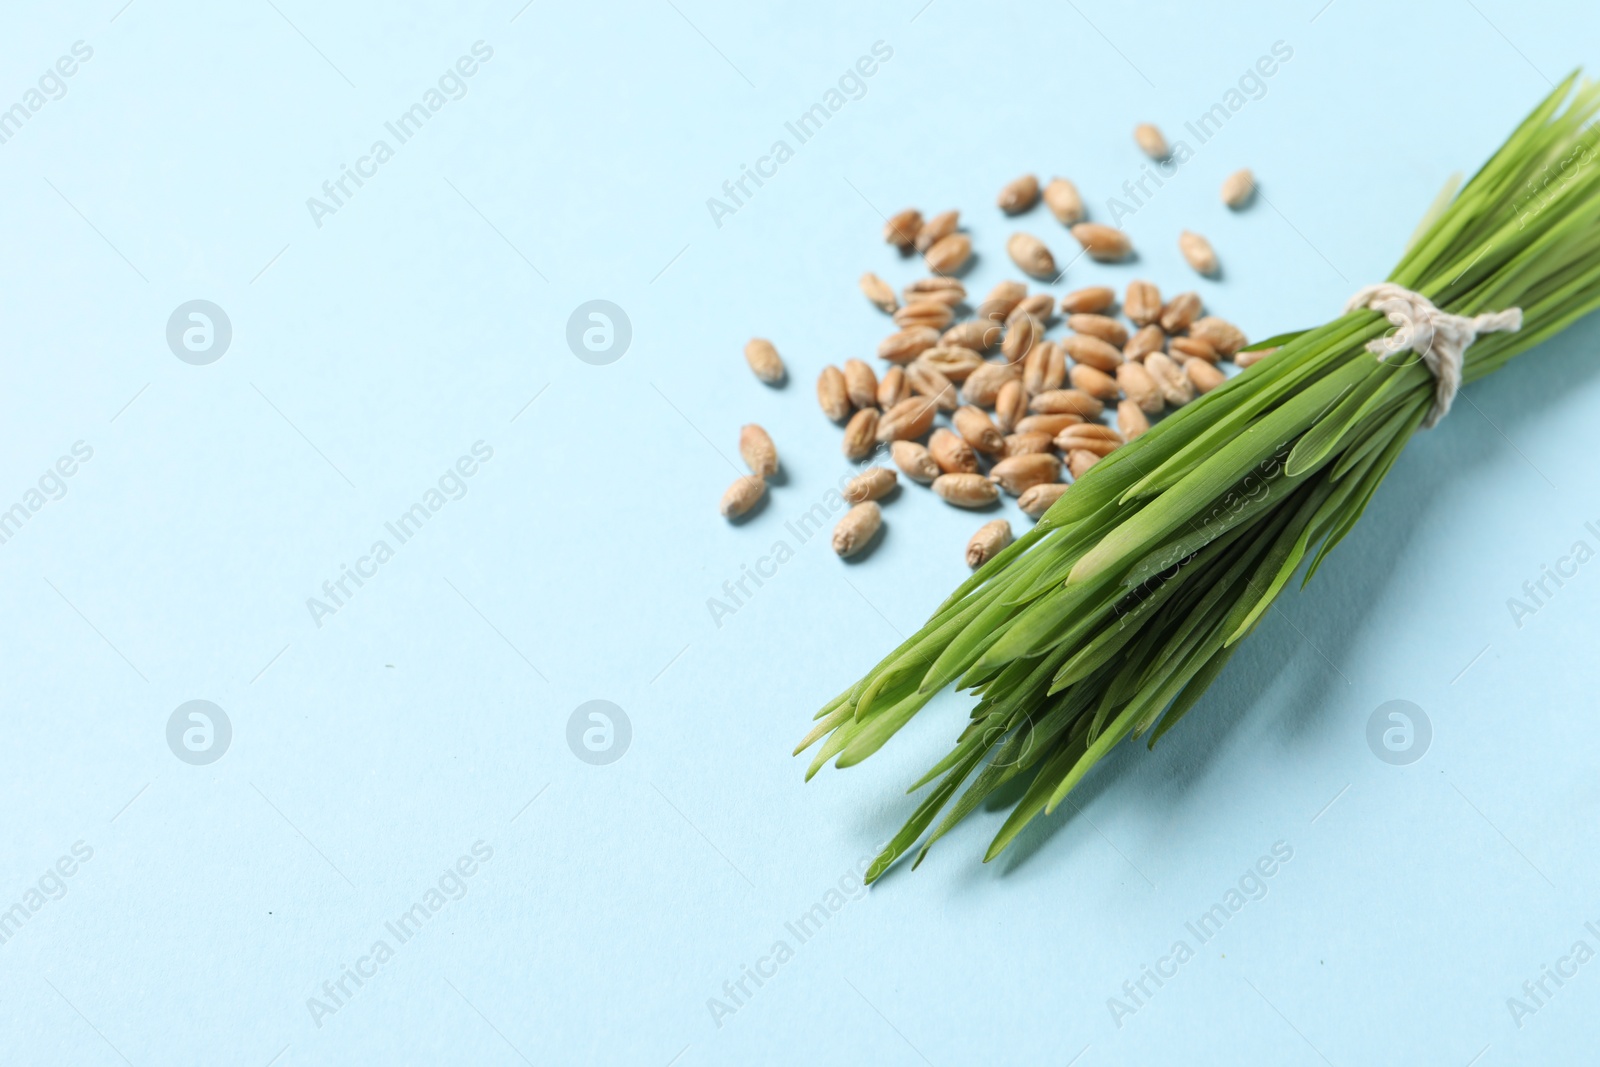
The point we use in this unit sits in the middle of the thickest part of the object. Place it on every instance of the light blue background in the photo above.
(370, 353)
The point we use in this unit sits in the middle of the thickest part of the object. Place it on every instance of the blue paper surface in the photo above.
(398, 830)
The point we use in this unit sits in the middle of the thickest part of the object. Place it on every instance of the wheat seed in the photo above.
(1148, 339)
(951, 453)
(1088, 301)
(910, 418)
(1203, 375)
(756, 446)
(1104, 327)
(1017, 474)
(1198, 251)
(949, 254)
(1175, 386)
(878, 291)
(1131, 419)
(987, 542)
(915, 461)
(871, 484)
(1151, 141)
(1010, 406)
(901, 230)
(742, 495)
(857, 528)
(1036, 501)
(1030, 255)
(764, 360)
(908, 344)
(1238, 187)
(1062, 198)
(1180, 312)
(966, 490)
(1019, 194)
(1104, 243)
(833, 394)
(937, 229)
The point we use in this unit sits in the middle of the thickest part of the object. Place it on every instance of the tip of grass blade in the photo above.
(883, 862)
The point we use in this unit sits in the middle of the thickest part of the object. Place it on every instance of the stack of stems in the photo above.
(1112, 616)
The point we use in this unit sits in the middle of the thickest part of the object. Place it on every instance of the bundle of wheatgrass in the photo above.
(1114, 614)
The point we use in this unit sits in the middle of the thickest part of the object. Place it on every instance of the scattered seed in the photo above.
(1079, 460)
(928, 382)
(1017, 474)
(1131, 419)
(1087, 301)
(1104, 327)
(1066, 402)
(870, 484)
(1011, 405)
(1022, 334)
(1062, 198)
(1100, 444)
(943, 290)
(1044, 368)
(915, 461)
(892, 388)
(987, 542)
(1142, 305)
(966, 490)
(1030, 254)
(860, 434)
(1203, 375)
(1096, 430)
(978, 335)
(1019, 194)
(756, 446)
(1141, 388)
(901, 230)
(1148, 339)
(908, 344)
(859, 525)
(1175, 386)
(979, 431)
(930, 313)
(877, 290)
(860, 384)
(1003, 299)
(952, 361)
(951, 454)
(1097, 383)
(1151, 142)
(1050, 424)
(1039, 305)
(1245, 359)
(742, 495)
(1238, 187)
(1104, 243)
(1036, 501)
(1092, 352)
(1023, 444)
(833, 394)
(908, 419)
(937, 229)
(1222, 335)
(982, 386)
(1198, 251)
(1197, 347)
(949, 254)
(764, 360)
(1180, 312)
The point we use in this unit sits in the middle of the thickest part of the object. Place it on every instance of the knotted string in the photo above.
(1440, 338)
